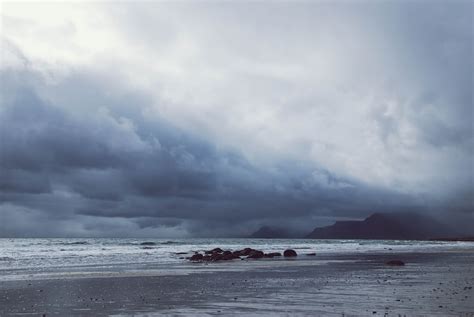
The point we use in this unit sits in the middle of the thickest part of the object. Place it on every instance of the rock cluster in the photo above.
(218, 254)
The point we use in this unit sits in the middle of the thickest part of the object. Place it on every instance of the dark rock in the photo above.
(215, 250)
(246, 251)
(228, 257)
(197, 257)
(395, 263)
(218, 254)
(289, 253)
(216, 257)
(237, 253)
(256, 254)
(310, 254)
(181, 253)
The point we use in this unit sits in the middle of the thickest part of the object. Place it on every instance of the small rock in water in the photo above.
(289, 253)
(272, 254)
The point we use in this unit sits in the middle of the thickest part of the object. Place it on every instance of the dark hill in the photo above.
(266, 232)
(398, 226)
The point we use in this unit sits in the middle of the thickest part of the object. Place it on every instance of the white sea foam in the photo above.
(36, 257)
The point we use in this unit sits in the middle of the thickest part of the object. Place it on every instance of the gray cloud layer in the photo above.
(112, 163)
(86, 154)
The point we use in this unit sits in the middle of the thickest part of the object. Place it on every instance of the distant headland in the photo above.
(383, 226)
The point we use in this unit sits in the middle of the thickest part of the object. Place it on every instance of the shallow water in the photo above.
(21, 258)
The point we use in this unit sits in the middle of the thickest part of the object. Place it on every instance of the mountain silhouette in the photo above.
(396, 226)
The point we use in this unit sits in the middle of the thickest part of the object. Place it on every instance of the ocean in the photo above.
(59, 257)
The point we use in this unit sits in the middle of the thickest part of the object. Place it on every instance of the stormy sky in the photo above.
(210, 119)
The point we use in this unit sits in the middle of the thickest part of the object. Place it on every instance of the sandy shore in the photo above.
(438, 284)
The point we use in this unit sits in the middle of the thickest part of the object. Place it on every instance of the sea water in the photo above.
(36, 258)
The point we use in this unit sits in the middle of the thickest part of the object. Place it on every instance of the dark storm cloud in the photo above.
(18, 180)
(326, 111)
(93, 149)
(112, 164)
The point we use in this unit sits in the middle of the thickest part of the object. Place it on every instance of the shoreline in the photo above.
(184, 266)
(351, 284)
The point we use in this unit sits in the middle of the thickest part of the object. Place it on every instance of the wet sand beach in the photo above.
(430, 284)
